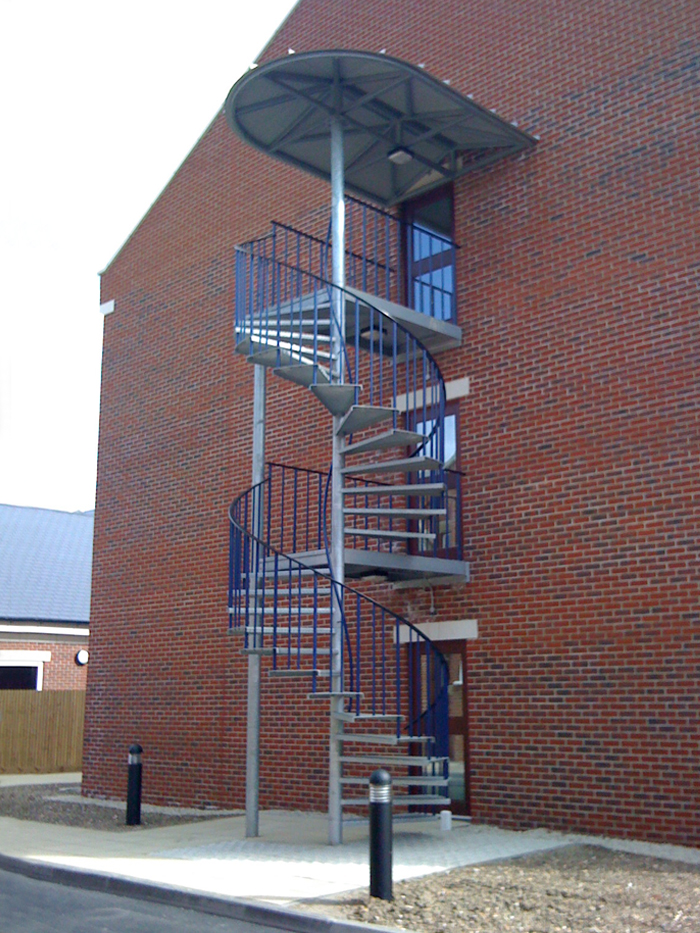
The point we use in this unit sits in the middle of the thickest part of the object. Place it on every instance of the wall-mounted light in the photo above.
(400, 156)
(82, 657)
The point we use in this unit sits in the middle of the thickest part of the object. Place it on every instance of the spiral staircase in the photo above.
(386, 681)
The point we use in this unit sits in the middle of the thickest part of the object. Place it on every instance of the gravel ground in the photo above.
(577, 889)
(62, 803)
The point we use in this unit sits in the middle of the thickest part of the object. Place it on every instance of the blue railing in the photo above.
(408, 264)
(286, 309)
(387, 666)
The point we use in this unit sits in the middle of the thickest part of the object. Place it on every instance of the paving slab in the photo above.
(290, 861)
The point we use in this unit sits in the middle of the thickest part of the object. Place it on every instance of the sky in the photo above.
(101, 103)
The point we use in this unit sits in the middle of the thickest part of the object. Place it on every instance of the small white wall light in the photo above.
(82, 657)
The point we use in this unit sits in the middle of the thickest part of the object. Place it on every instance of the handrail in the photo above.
(251, 556)
(303, 286)
(377, 244)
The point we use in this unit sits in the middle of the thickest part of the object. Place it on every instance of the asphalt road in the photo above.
(31, 906)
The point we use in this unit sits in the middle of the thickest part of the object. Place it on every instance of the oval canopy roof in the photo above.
(404, 131)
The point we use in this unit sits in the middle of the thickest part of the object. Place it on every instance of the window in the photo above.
(22, 670)
(445, 527)
(18, 678)
(431, 255)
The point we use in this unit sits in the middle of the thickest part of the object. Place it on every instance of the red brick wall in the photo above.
(61, 672)
(578, 283)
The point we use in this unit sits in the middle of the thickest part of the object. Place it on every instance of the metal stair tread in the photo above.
(301, 374)
(287, 632)
(386, 533)
(259, 332)
(397, 437)
(402, 800)
(382, 738)
(403, 465)
(407, 761)
(364, 416)
(336, 397)
(409, 489)
(367, 717)
(298, 672)
(422, 780)
(392, 512)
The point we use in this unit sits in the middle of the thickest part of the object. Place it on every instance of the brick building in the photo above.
(45, 569)
(555, 257)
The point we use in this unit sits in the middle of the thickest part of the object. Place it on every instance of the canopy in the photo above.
(404, 131)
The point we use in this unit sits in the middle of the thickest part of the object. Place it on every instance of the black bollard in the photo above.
(380, 835)
(133, 790)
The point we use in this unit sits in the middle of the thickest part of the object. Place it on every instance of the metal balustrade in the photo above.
(289, 310)
(281, 596)
(283, 609)
(406, 263)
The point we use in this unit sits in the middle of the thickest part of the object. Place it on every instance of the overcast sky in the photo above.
(101, 102)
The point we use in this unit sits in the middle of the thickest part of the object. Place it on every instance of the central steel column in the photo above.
(335, 814)
(252, 759)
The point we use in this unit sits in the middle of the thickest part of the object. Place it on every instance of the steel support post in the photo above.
(252, 766)
(335, 814)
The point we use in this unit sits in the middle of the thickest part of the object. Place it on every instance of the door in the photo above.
(455, 653)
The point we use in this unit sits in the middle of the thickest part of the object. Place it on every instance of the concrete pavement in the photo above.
(289, 865)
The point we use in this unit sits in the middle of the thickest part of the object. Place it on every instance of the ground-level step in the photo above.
(393, 761)
(403, 800)
(419, 780)
(382, 739)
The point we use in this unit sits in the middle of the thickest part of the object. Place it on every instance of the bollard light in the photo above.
(133, 789)
(380, 835)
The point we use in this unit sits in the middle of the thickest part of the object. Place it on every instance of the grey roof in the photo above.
(284, 107)
(45, 564)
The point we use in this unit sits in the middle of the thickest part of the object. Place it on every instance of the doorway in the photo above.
(455, 653)
(430, 253)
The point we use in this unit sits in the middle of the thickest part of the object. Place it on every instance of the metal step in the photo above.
(410, 489)
(390, 535)
(297, 572)
(286, 632)
(405, 465)
(303, 652)
(331, 694)
(297, 334)
(396, 513)
(302, 374)
(424, 780)
(395, 438)
(364, 416)
(277, 357)
(295, 610)
(367, 717)
(298, 672)
(393, 761)
(336, 397)
(383, 739)
(300, 348)
(402, 800)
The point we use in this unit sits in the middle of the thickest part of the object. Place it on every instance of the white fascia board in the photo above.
(457, 630)
(43, 630)
(25, 658)
(455, 388)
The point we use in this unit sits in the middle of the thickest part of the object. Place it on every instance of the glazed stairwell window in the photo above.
(430, 253)
(446, 525)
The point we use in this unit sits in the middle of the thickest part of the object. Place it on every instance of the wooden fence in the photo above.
(41, 731)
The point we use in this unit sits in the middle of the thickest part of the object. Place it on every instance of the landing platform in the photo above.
(396, 566)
